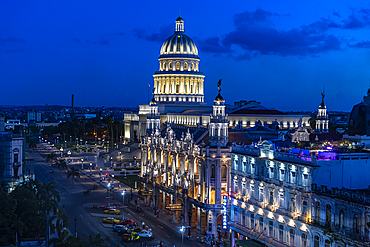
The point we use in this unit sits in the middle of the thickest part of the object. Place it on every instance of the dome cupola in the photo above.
(179, 43)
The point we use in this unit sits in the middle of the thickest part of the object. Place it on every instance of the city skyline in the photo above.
(282, 55)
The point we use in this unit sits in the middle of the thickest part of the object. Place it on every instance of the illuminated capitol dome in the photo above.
(178, 78)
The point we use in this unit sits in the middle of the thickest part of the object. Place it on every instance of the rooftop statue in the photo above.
(219, 85)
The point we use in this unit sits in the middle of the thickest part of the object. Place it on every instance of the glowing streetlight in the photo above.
(101, 177)
(90, 169)
(123, 196)
(82, 164)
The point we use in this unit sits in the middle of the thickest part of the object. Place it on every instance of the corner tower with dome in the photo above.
(178, 79)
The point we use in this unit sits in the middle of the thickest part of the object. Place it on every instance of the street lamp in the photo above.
(82, 164)
(123, 196)
(101, 177)
(69, 154)
(76, 226)
(182, 230)
(61, 152)
(111, 162)
(90, 169)
(120, 157)
(112, 181)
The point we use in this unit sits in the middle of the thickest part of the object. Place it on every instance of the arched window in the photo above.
(341, 218)
(213, 171)
(328, 215)
(185, 66)
(327, 243)
(192, 66)
(170, 65)
(177, 66)
(356, 224)
(317, 212)
(316, 241)
(224, 171)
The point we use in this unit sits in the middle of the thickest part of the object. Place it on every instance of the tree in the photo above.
(62, 240)
(27, 210)
(73, 172)
(62, 165)
(7, 208)
(58, 221)
(51, 157)
(31, 143)
(95, 240)
(49, 203)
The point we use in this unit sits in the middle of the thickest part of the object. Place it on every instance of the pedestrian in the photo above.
(136, 202)
(145, 244)
(160, 244)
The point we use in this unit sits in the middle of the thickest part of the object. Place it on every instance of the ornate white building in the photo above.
(185, 179)
(322, 119)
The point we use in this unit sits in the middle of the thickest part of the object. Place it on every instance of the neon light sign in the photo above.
(224, 207)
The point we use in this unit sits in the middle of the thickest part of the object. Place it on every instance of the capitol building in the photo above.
(194, 169)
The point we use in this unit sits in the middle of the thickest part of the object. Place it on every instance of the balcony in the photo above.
(253, 234)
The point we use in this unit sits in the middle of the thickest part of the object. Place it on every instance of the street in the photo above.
(85, 218)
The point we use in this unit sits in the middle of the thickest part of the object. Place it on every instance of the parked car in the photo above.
(145, 234)
(110, 220)
(112, 211)
(119, 228)
(128, 222)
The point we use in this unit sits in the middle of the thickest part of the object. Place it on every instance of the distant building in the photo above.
(33, 116)
(322, 119)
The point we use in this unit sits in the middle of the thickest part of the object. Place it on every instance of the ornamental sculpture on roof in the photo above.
(219, 85)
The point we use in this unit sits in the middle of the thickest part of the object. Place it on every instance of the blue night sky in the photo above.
(281, 53)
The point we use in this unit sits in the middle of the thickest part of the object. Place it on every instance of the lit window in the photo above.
(185, 66)
(177, 66)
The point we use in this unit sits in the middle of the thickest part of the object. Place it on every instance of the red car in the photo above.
(128, 222)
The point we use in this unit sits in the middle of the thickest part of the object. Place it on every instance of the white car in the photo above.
(145, 234)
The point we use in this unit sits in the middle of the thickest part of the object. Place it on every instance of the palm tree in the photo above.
(49, 203)
(62, 240)
(61, 221)
(95, 240)
(62, 165)
(51, 157)
(31, 143)
(73, 172)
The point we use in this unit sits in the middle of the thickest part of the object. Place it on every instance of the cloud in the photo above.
(336, 14)
(160, 36)
(363, 44)
(212, 45)
(101, 41)
(358, 19)
(118, 34)
(255, 34)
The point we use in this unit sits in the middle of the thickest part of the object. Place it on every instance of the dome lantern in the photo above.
(179, 25)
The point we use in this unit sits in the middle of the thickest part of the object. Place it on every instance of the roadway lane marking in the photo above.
(160, 226)
(89, 223)
(140, 218)
(152, 226)
(81, 215)
(167, 236)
